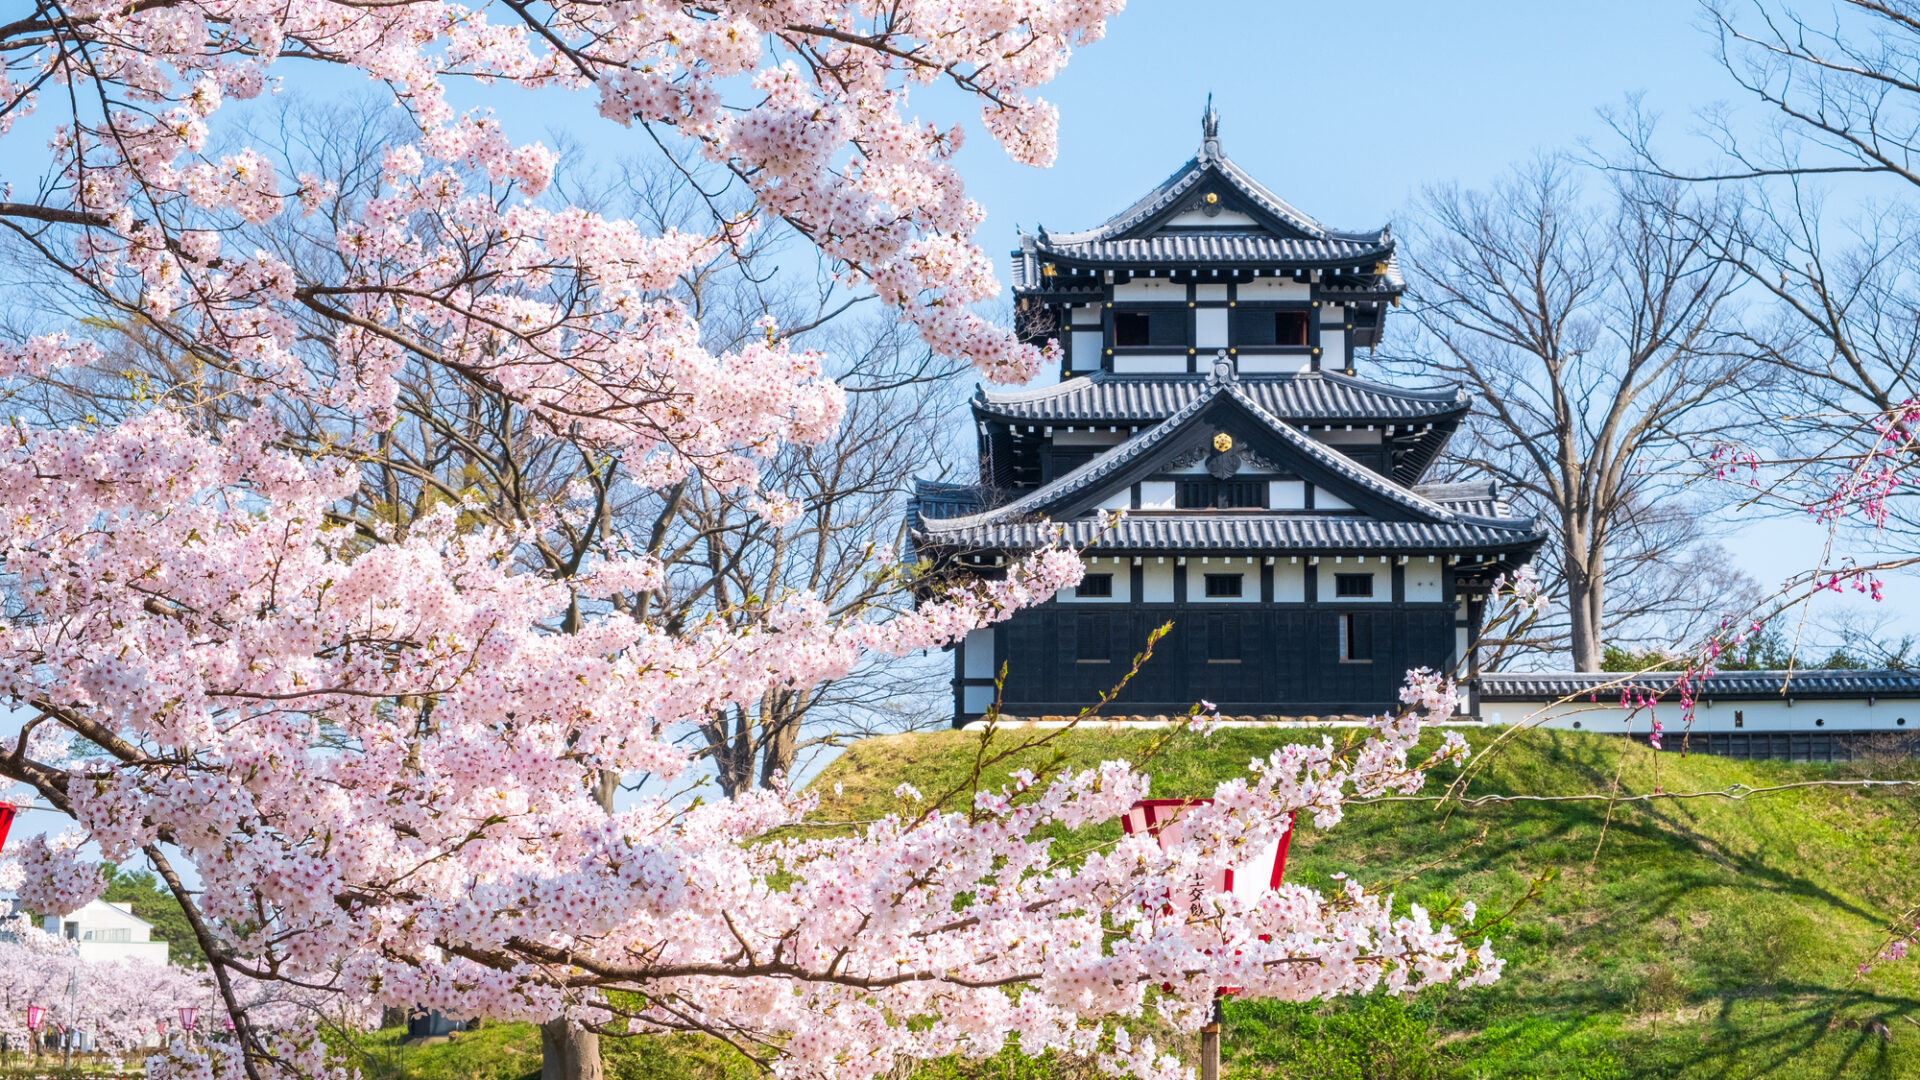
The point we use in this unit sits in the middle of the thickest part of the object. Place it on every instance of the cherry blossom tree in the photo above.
(378, 763)
(116, 1003)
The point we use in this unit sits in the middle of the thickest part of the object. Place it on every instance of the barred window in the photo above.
(1224, 584)
(1095, 585)
(1353, 584)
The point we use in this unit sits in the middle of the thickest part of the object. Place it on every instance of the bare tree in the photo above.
(1596, 333)
(1843, 331)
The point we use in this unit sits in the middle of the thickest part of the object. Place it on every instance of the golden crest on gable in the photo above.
(1223, 442)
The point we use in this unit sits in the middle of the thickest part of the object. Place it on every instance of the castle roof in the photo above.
(1390, 516)
(1242, 223)
(1315, 396)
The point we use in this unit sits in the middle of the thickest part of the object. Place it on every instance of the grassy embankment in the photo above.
(1708, 938)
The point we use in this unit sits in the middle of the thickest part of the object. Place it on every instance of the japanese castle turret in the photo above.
(1213, 387)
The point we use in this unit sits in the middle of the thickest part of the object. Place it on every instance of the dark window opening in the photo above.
(1136, 329)
(1223, 584)
(1214, 494)
(1265, 326)
(1353, 584)
(1095, 585)
(1356, 639)
(1223, 639)
(1739, 718)
(1093, 640)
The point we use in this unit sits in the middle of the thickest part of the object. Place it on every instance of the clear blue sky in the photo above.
(1346, 109)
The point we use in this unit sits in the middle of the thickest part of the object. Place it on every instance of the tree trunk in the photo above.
(568, 1052)
(781, 734)
(1583, 618)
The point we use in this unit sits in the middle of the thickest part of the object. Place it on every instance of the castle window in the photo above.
(1138, 329)
(1265, 326)
(1210, 494)
(1095, 585)
(1356, 639)
(1223, 584)
(1223, 639)
(1353, 584)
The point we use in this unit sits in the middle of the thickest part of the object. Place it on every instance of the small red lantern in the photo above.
(161, 1023)
(6, 822)
(1161, 817)
(36, 1014)
(189, 1015)
(228, 1021)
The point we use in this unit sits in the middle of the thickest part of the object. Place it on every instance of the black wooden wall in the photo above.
(1280, 659)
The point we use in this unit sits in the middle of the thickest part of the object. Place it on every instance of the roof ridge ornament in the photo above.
(1210, 132)
(1223, 369)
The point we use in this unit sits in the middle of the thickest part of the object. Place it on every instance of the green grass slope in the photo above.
(1707, 938)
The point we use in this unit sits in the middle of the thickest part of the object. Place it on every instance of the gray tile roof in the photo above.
(1722, 686)
(1187, 176)
(1290, 238)
(1481, 498)
(1307, 396)
(1238, 532)
(1023, 523)
(942, 500)
(1242, 246)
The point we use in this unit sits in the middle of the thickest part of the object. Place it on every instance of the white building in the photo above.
(108, 931)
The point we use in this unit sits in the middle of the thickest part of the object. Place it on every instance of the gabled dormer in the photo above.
(1209, 264)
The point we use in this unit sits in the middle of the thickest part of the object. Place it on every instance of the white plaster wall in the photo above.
(1150, 364)
(1156, 495)
(1286, 494)
(1289, 582)
(976, 654)
(1606, 715)
(1327, 500)
(1423, 581)
(1199, 568)
(1086, 350)
(139, 952)
(1210, 327)
(1333, 313)
(1333, 348)
(1156, 581)
(1209, 292)
(1086, 315)
(1149, 289)
(1275, 365)
(1222, 219)
(1122, 571)
(976, 699)
(1275, 289)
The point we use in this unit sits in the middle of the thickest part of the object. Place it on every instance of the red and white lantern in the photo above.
(36, 1015)
(6, 822)
(1260, 871)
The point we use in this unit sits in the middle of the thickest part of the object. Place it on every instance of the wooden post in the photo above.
(1210, 1046)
